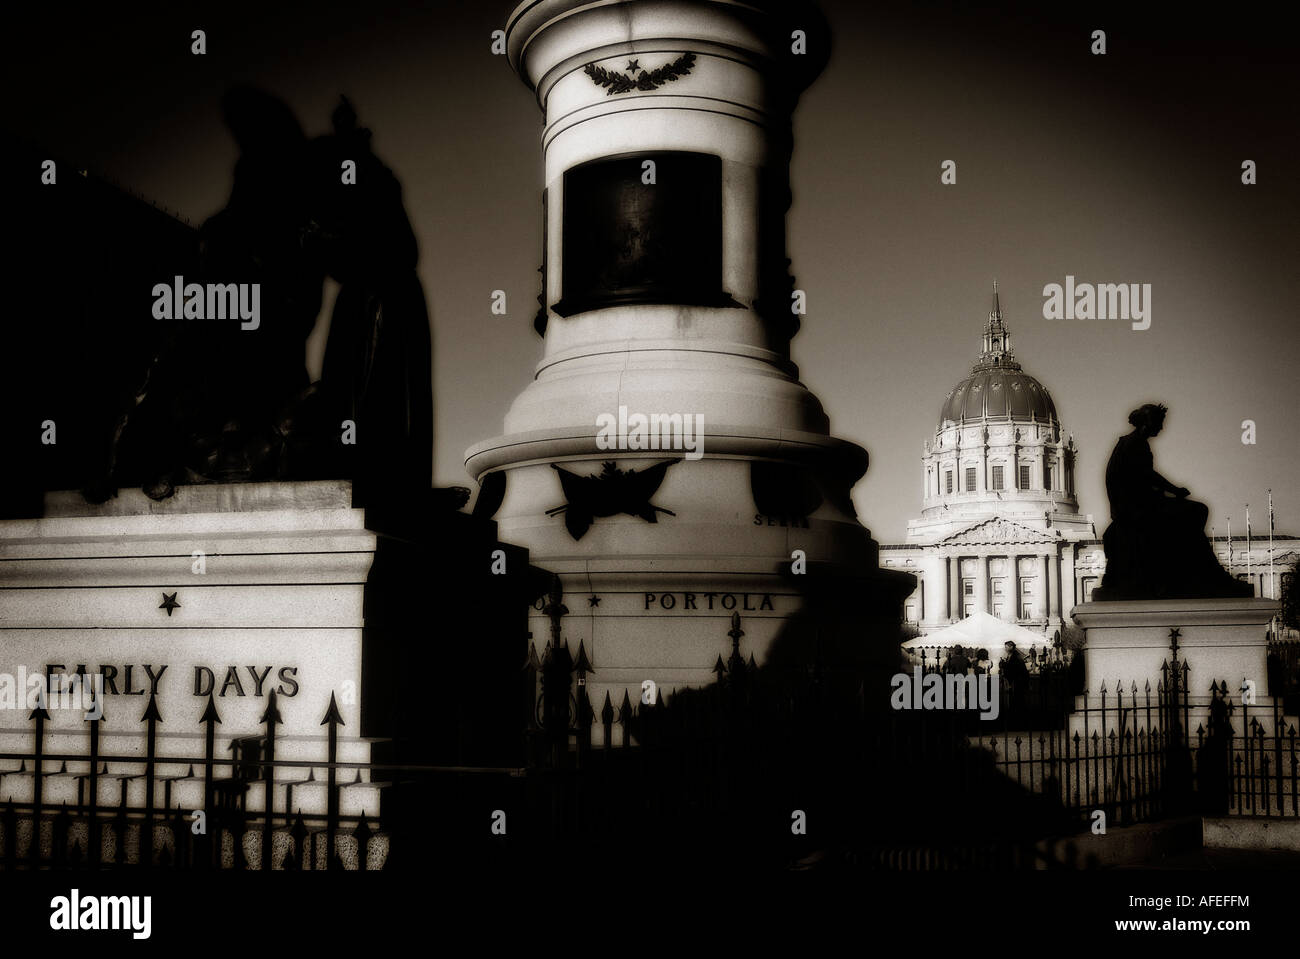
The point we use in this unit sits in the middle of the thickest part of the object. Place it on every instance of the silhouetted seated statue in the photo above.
(1155, 545)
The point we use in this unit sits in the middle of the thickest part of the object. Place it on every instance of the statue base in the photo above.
(1219, 639)
(223, 593)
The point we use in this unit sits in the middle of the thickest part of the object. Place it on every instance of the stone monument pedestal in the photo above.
(1219, 640)
(224, 592)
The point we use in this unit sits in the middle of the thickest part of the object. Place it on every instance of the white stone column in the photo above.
(1070, 599)
(1014, 560)
(1053, 588)
(954, 588)
(982, 583)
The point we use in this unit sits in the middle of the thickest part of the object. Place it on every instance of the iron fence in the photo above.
(722, 767)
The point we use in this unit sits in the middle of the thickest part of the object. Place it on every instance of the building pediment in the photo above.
(995, 531)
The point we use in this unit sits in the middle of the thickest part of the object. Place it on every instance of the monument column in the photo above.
(666, 323)
(982, 583)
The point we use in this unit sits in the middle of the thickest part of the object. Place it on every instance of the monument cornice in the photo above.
(623, 347)
(1175, 612)
(721, 441)
(589, 27)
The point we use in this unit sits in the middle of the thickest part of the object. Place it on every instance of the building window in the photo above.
(1027, 611)
(970, 478)
(997, 477)
(997, 587)
(1026, 586)
(1024, 476)
(967, 588)
(947, 481)
(1047, 475)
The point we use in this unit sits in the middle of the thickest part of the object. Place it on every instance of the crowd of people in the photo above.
(1017, 671)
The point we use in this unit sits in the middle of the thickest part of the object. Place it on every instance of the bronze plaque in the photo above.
(631, 241)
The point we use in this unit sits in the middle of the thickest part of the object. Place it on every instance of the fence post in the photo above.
(585, 714)
(94, 851)
(334, 720)
(151, 718)
(362, 834)
(270, 718)
(607, 721)
(625, 719)
(120, 826)
(297, 844)
(62, 822)
(38, 716)
(209, 850)
(557, 666)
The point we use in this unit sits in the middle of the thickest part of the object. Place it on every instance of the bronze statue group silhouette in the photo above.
(225, 404)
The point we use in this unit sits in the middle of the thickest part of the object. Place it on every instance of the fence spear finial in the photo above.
(210, 713)
(332, 714)
(583, 665)
(151, 713)
(272, 714)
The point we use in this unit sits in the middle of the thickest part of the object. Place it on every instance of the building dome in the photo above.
(1000, 393)
(997, 388)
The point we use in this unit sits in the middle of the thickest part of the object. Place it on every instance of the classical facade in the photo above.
(1000, 529)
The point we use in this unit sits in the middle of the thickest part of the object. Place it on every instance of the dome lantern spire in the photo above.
(996, 352)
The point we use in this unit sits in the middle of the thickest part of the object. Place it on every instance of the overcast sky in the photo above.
(1117, 168)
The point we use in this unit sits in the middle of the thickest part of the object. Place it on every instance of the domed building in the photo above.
(1000, 530)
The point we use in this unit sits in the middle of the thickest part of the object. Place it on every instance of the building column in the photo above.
(1068, 575)
(982, 583)
(954, 588)
(1050, 581)
(1014, 560)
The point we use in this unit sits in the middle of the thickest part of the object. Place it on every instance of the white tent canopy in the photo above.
(980, 631)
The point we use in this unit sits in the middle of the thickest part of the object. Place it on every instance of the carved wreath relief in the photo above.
(631, 79)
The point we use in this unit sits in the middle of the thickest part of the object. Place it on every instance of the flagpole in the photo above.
(1252, 585)
(1272, 584)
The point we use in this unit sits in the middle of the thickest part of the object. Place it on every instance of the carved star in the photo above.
(169, 603)
(633, 65)
(593, 600)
